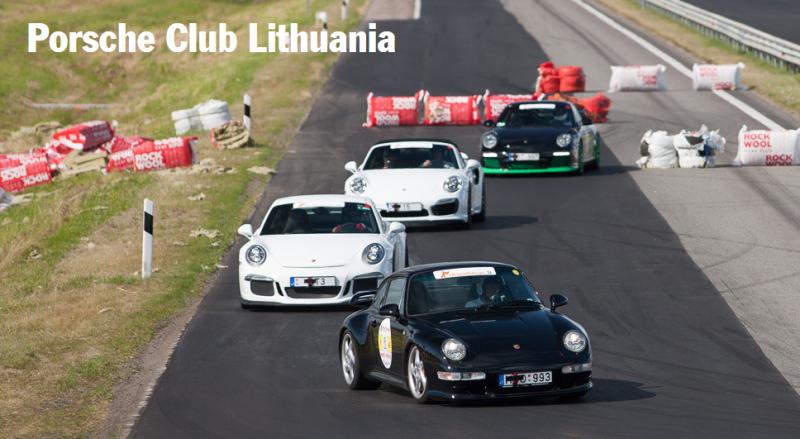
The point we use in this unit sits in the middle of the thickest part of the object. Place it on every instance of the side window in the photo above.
(396, 292)
(380, 295)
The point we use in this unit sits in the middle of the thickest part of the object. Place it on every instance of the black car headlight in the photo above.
(564, 140)
(256, 254)
(489, 141)
(373, 253)
(574, 341)
(454, 350)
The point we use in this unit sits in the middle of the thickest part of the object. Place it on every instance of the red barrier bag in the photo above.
(17, 178)
(451, 110)
(393, 110)
(495, 104)
(85, 136)
(162, 154)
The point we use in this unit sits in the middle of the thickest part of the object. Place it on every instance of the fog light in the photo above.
(461, 376)
(490, 154)
(561, 153)
(576, 368)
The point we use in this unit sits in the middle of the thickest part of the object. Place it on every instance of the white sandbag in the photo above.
(697, 149)
(637, 78)
(5, 200)
(183, 126)
(660, 149)
(214, 120)
(211, 106)
(768, 148)
(717, 76)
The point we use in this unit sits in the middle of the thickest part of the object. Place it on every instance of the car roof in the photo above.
(423, 141)
(449, 265)
(322, 198)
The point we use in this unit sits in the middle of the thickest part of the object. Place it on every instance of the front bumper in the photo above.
(547, 163)
(275, 288)
(489, 388)
(440, 209)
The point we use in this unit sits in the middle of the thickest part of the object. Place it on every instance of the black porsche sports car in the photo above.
(461, 331)
(540, 137)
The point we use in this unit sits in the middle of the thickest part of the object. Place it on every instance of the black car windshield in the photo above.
(437, 156)
(469, 288)
(545, 114)
(303, 218)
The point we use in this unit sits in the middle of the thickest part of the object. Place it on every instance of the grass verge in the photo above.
(776, 84)
(73, 311)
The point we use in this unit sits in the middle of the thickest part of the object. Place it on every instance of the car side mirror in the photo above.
(396, 227)
(363, 298)
(351, 167)
(488, 123)
(557, 300)
(586, 120)
(464, 156)
(246, 230)
(390, 310)
(472, 163)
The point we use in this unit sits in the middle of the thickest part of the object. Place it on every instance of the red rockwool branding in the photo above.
(778, 160)
(148, 161)
(758, 139)
(646, 78)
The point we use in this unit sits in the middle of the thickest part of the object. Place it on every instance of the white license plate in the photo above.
(312, 282)
(525, 157)
(526, 379)
(403, 207)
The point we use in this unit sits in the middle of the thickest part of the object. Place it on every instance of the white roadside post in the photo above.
(344, 9)
(147, 240)
(322, 17)
(246, 117)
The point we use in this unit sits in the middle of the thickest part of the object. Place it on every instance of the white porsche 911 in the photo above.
(420, 182)
(318, 250)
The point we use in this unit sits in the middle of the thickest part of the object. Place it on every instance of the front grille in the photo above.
(448, 208)
(368, 284)
(388, 214)
(262, 288)
(312, 293)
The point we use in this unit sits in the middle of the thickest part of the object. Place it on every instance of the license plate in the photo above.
(403, 207)
(526, 379)
(312, 282)
(524, 157)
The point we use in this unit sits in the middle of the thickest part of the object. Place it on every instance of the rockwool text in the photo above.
(188, 37)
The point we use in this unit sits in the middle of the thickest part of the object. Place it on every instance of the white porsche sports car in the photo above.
(318, 250)
(420, 182)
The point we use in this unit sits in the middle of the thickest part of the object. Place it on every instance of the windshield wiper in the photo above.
(515, 304)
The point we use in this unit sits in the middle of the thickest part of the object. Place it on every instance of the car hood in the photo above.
(317, 250)
(495, 333)
(406, 181)
(533, 136)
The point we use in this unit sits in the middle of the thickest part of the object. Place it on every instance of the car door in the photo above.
(586, 134)
(388, 333)
(373, 320)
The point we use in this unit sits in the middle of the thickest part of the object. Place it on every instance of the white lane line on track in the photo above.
(743, 107)
(417, 9)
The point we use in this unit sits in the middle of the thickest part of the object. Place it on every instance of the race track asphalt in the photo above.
(671, 358)
(776, 17)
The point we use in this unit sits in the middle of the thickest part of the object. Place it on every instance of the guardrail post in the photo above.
(147, 240)
(246, 117)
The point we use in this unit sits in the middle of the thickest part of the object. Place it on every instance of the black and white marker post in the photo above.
(147, 240)
(344, 9)
(246, 118)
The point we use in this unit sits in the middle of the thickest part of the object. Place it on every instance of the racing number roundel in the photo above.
(385, 342)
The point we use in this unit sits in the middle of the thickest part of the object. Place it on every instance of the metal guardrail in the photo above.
(767, 47)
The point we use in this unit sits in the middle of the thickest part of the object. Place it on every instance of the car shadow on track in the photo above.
(605, 390)
(493, 222)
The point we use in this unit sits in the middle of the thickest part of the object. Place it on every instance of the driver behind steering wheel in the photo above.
(351, 220)
(490, 293)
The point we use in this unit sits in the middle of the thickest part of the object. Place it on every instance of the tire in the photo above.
(595, 163)
(468, 222)
(416, 379)
(407, 264)
(351, 370)
(481, 216)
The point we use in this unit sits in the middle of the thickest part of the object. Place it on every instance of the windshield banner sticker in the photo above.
(464, 272)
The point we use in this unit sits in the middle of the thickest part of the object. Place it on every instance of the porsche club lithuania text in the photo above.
(181, 37)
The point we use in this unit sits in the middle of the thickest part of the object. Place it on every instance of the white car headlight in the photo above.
(256, 255)
(358, 185)
(574, 341)
(452, 184)
(489, 141)
(373, 253)
(454, 349)
(564, 140)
